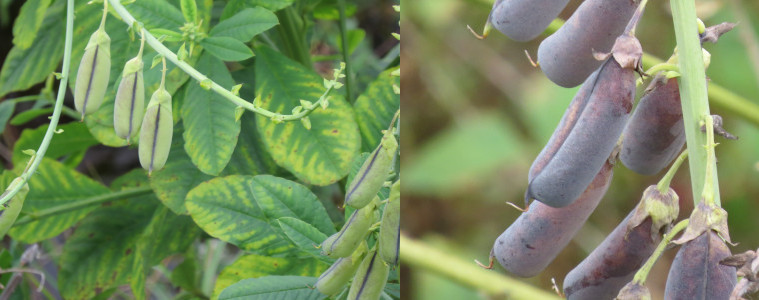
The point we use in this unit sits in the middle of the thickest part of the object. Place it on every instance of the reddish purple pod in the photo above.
(696, 273)
(524, 20)
(655, 134)
(538, 235)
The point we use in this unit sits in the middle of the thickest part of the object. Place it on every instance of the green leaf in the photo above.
(302, 234)
(168, 35)
(29, 115)
(246, 24)
(254, 266)
(6, 111)
(375, 108)
(24, 68)
(355, 36)
(156, 14)
(234, 6)
(209, 120)
(327, 10)
(226, 48)
(186, 275)
(54, 186)
(73, 139)
(250, 157)
(189, 10)
(322, 155)
(279, 197)
(273, 287)
(28, 22)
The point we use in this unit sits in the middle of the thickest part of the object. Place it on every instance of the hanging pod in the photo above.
(157, 129)
(372, 173)
(94, 72)
(130, 100)
(345, 241)
(342, 270)
(13, 207)
(370, 278)
(696, 272)
(524, 20)
(390, 228)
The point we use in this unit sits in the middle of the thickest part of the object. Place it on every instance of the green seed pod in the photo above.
(130, 100)
(372, 174)
(93, 74)
(13, 207)
(344, 242)
(370, 278)
(157, 128)
(390, 230)
(334, 279)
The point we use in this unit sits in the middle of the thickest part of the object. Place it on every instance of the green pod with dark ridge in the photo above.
(130, 100)
(370, 278)
(94, 72)
(12, 207)
(372, 173)
(566, 57)
(538, 235)
(390, 228)
(342, 270)
(696, 273)
(157, 129)
(345, 241)
(524, 20)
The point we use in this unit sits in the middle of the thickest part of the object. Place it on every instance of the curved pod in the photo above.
(524, 20)
(130, 100)
(93, 74)
(390, 229)
(538, 235)
(334, 279)
(696, 272)
(156, 133)
(372, 173)
(345, 241)
(566, 57)
(370, 278)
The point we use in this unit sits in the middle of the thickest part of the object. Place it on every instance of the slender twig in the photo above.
(642, 274)
(663, 185)
(345, 51)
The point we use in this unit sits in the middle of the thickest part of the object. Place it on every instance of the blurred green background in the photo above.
(476, 114)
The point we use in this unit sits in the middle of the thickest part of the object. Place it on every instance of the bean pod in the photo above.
(372, 173)
(537, 236)
(696, 273)
(130, 100)
(157, 129)
(342, 270)
(390, 228)
(345, 241)
(370, 278)
(13, 207)
(655, 134)
(524, 20)
(94, 72)
(566, 57)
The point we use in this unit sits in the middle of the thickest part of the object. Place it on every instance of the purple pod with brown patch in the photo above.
(585, 137)
(696, 274)
(566, 57)
(655, 134)
(524, 20)
(538, 235)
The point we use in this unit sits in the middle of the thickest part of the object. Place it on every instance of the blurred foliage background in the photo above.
(477, 114)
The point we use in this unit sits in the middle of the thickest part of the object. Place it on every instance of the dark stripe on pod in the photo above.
(696, 273)
(131, 106)
(366, 278)
(366, 171)
(155, 139)
(92, 76)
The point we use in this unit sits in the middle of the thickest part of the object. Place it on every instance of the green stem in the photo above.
(345, 51)
(56, 110)
(642, 274)
(708, 191)
(693, 93)
(127, 18)
(56, 210)
(418, 255)
(663, 185)
(293, 36)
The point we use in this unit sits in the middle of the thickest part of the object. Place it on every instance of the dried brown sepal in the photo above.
(718, 129)
(662, 208)
(739, 260)
(712, 33)
(627, 51)
(703, 218)
(634, 291)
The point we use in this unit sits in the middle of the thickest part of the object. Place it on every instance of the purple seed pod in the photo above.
(524, 20)
(696, 274)
(566, 57)
(538, 235)
(655, 134)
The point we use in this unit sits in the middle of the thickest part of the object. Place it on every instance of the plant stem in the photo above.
(57, 108)
(421, 256)
(663, 185)
(292, 35)
(642, 274)
(56, 210)
(345, 51)
(693, 94)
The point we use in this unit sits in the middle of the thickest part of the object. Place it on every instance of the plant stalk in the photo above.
(346, 52)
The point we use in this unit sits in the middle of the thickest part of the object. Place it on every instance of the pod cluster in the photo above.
(366, 268)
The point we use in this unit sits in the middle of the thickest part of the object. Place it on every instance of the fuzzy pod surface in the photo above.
(696, 273)
(157, 129)
(390, 228)
(129, 105)
(655, 133)
(530, 243)
(524, 20)
(339, 273)
(585, 137)
(345, 241)
(370, 278)
(10, 213)
(372, 173)
(93, 74)
(566, 57)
